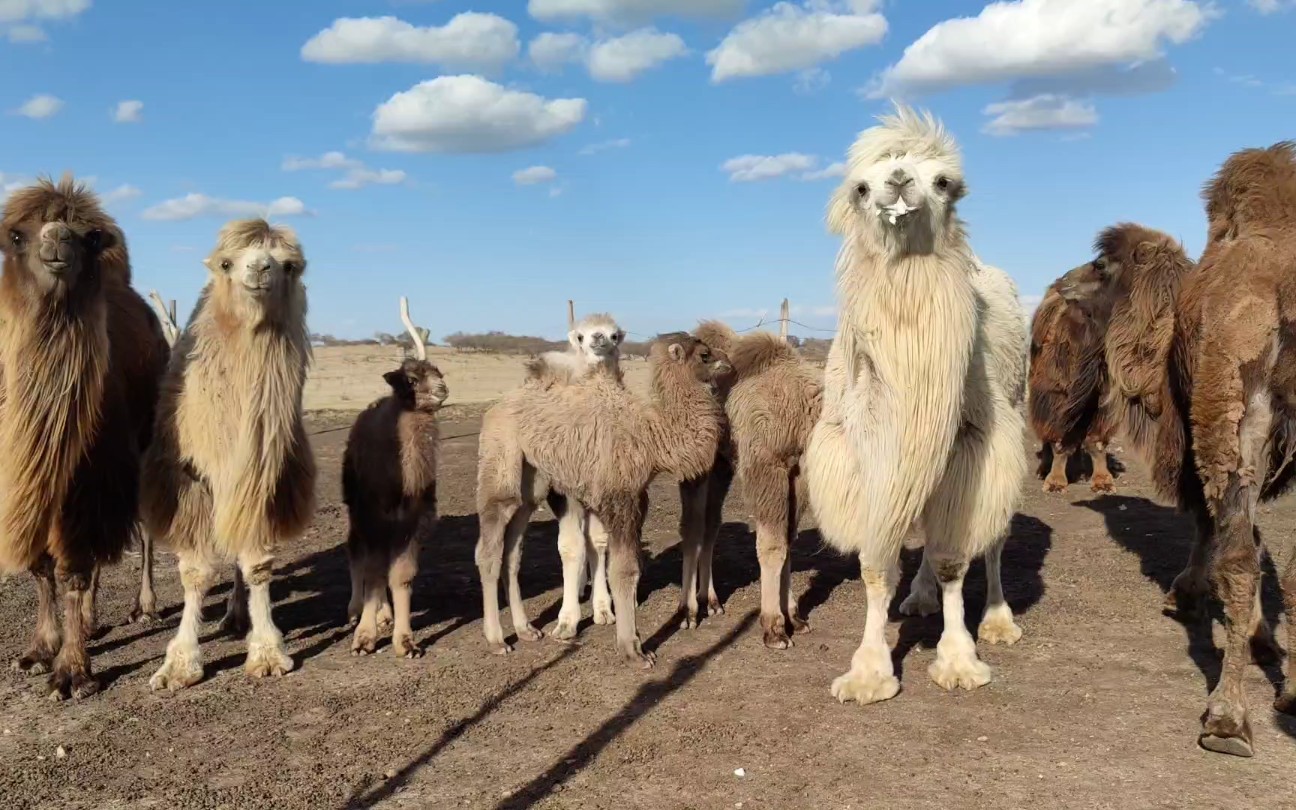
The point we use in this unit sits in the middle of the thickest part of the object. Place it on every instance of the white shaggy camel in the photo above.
(918, 423)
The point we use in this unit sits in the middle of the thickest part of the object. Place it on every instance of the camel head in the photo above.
(680, 350)
(596, 338)
(418, 385)
(903, 179)
(1255, 188)
(1083, 282)
(58, 241)
(256, 272)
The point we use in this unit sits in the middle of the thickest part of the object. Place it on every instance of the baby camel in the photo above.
(389, 479)
(230, 472)
(772, 408)
(602, 446)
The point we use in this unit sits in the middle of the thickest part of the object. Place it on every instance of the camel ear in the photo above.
(840, 209)
(398, 381)
(676, 351)
(618, 336)
(1144, 252)
(571, 338)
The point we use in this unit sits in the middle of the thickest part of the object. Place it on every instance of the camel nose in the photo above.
(899, 178)
(56, 246)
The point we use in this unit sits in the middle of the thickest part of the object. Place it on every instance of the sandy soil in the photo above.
(1097, 705)
(347, 378)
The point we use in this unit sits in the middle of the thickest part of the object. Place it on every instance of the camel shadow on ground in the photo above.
(1161, 538)
(1029, 542)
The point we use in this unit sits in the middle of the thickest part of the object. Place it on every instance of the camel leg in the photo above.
(766, 487)
(1191, 588)
(790, 610)
(1102, 480)
(71, 676)
(622, 523)
(871, 677)
(145, 610)
(47, 637)
(90, 615)
(372, 565)
(1056, 481)
(924, 591)
(236, 621)
(1286, 700)
(571, 550)
(266, 653)
(400, 578)
(355, 562)
(1265, 650)
(183, 664)
(693, 495)
(956, 663)
(514, 539)
(495, 521)
(997, 625)
(717, 490)
(596, 550)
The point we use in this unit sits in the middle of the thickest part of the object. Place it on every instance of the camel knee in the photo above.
(256, 570)
(402, 571)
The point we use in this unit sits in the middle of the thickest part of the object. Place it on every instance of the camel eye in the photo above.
(16, 239)
(943, 183)
(1100, 264)
(290, 267)
(226, 264)
(862, 190)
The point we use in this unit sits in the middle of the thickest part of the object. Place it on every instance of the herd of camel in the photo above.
(109, 432)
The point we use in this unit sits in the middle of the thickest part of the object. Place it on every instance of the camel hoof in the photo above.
(714, 608)
(142, 616)
(1103, 484)
(865, 687)
(918, 603)
(1053, 485)
(500, 648)
(78, 685)
(635, 654)
(603, 615)
(799, 625)
(267, 662)
(174, 675)
(32, 666)
(405, 647)
(777, 640)
(363, 644)
(998, 627)
(1236, 746)
(690, 621)
(565, 630)
(528, 633)
(385, 620)
(1286, 702)
(962, 673)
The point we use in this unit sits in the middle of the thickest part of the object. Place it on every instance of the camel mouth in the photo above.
(896, 212)
(58, 268)
(257, 289)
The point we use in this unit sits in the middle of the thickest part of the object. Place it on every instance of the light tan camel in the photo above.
(230, 472)
(601, 445)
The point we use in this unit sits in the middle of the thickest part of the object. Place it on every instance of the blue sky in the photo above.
(665, 160)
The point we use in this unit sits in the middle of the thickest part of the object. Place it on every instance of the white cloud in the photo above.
(1025, 38)
(18, 11)
(603, 146)
(750, 168)
(128, 112)
(361, 177)
(41, 106)
(621, 59)
(192, 206)
(630, 11)
(615, 59)
(1044, 112)
(533, 175)
(811, 80)
(550, 51)
(470, 114)
(795, 36)
(831, 171)
(328, 160)
(122, 193)
(26, 34)
(1271, 6)
(470, 40)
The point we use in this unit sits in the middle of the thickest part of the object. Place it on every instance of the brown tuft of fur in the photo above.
(81, 355)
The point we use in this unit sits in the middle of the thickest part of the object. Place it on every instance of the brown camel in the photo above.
(771, 407)
(230, 473)
(81, 358)
(1207, 386)
(1067, 331)
(389, 478)
(600, 445)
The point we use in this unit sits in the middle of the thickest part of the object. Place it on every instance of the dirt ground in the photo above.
(1097, 706)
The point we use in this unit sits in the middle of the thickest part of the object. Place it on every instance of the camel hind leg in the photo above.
(514, 539)
(47, 637)
(1056, 480)
(596, 551)
(571, 550)
(997, 625)
(369, 566)
(145, 610)
(236, 621)
(1286, 700)
(790, 609)
(693, 498)
(718, 484)
(71, 676)
(1102, 480)
(767, 493)
(400, 578)
(623, 520)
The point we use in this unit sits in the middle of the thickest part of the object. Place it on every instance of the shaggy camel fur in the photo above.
(81, 359)
(1205, 382)
(772, 407)
(230, 472)
(595, 347)
(1070, 322)
(389, 477)
(600, 445)
(918, 421)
